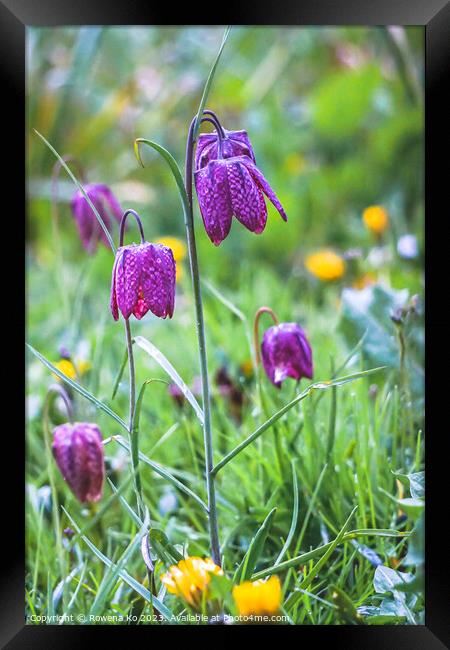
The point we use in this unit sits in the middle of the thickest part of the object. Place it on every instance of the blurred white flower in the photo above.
(379, 256)
(407, 247)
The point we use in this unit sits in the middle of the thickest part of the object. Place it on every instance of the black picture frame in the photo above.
(15, 16)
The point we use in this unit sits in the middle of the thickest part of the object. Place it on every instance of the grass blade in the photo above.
(119, 571)
(82, 190)
(268, 423)
(294, 515)
(165, 364)
(164, 473)
(77, 387)
(245, 569)
(209, 81)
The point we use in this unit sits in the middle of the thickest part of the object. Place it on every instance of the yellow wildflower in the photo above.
(258, 598)
(178, 249)
(325, 265)
(190, 578)
(71, 370)
(376, 219)
(247, 368)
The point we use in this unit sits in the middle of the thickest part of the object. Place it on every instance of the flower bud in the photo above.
(286, 352)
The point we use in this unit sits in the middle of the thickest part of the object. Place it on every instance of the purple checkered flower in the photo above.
(88, 225)
(234, 143)
(78, 451)
(229, 187)
(143, 279)
(286, 352)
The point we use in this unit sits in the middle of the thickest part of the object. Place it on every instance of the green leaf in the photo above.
(209, 81)
(417, 485)
(416, 544)
(82, 190)
(163, 472)
(77, 387)
(119, 571)
(294, 515)
(386, 580)
(163, 548)
(158, 356)
(250, 559)
(268, 423)
(368, 310)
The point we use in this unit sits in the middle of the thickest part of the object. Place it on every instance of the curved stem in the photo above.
(59, 390)
(259, 313)
(122, 225)
(207, 430)
(219, 126)
(219, 135)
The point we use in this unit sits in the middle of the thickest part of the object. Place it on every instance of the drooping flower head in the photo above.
(286, 352)
(258, 598)
(228, 184)
(78, 452)
(189, 578)
(143, 278)
(326, 265)
(88, 225)
(376, 219)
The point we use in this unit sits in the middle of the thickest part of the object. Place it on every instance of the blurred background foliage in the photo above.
(335, 114)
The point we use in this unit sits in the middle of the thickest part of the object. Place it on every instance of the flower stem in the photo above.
(132, 409)
(207, 431)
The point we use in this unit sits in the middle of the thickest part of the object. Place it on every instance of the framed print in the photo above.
(226, 324)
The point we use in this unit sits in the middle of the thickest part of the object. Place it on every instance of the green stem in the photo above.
(132, 409)
(207, 430)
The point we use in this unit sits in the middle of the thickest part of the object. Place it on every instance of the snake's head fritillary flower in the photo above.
(326, 265)
(230, 187)
(143, 279)
(88, 225)
(258, 598)
(376, 219)
(190, 578)
(78, 452)
(286, 352)
(234, 143)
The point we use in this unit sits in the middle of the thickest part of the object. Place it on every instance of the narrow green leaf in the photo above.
(119, 374)
(310, 555)
(250, 559)
(82, 190)
(77, 387)
(268, 423)
(163, 472)
(209, 81)
(165, 364)
(294, 515)
(170, 160)
(119, 571)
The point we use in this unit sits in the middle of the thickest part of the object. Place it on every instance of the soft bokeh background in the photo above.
(335, 116)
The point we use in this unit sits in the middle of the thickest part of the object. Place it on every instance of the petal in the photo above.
(245, 196)
(127, 279)
(264, 185)
(111, 202)
(214, 200)
(113, 297)
(82, 214)
(158, 277)
(204, 149)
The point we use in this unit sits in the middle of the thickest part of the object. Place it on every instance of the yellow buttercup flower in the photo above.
(258, 598)
(190, 578)
(178, 249)
(70, 370)
(376, 219)
(325, 265)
